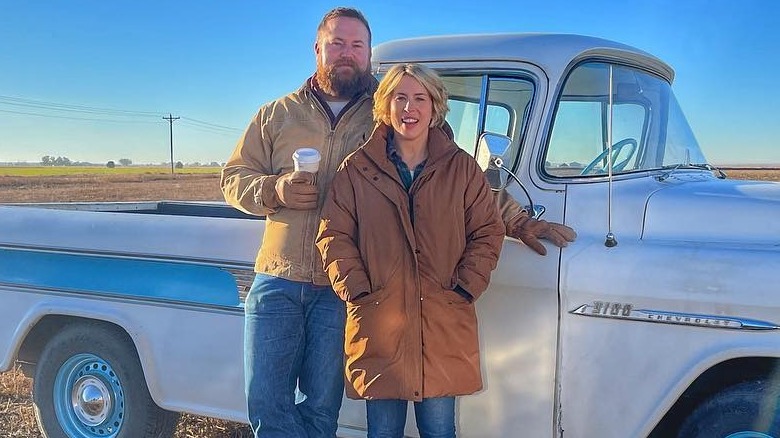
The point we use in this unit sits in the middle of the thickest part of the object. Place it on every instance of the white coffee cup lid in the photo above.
(306, 155)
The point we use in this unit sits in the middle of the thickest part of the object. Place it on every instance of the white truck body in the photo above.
(628, 340)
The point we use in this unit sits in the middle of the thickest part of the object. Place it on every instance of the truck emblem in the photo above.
(606, 309)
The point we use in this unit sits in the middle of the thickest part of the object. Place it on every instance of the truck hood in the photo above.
(714, 211)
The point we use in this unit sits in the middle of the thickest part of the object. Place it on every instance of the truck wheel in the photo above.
(89, 384)
(746, 410)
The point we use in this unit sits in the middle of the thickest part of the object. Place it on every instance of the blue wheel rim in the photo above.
(88, 398)
(749, 434)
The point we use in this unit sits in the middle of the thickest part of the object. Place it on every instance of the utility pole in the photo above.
(170, 120)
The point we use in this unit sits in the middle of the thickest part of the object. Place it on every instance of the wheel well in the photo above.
(45, 328)
(712, 381)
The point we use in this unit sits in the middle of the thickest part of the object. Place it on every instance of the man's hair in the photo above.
(427, 77)
(343, 12)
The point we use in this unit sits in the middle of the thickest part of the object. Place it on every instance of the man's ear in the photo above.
(317, 47)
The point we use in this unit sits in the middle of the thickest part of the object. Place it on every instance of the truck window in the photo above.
(648, 128)
(506, 108)
(578, 136)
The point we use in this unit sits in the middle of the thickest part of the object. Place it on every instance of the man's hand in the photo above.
(530, 230)
(297, 190)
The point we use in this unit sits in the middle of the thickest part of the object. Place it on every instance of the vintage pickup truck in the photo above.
(662, 319)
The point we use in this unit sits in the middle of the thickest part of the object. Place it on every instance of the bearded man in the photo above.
(294, 322)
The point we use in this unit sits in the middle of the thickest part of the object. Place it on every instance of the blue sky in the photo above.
(94, 79)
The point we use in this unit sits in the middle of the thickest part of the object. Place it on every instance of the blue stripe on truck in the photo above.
(181, 282)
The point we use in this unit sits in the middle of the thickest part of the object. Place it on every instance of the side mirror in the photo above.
(491, 150)
(491, 146)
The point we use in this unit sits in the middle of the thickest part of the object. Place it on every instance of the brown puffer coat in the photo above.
(412, 337)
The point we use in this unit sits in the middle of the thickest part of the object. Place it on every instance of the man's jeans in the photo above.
(435, 417)
(293, 334)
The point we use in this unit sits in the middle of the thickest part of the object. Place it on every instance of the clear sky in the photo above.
(91, 80)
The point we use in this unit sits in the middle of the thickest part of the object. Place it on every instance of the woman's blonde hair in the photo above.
(429, 79)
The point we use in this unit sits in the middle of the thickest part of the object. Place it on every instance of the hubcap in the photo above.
(91, 400)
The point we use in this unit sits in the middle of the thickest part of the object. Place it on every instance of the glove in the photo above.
(297, 190)
(530, 230)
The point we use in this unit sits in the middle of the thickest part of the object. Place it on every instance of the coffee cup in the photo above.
(306, 159)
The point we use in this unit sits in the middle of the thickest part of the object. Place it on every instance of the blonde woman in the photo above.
(409, 235)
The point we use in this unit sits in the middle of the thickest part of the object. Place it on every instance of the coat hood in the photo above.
(715, 211)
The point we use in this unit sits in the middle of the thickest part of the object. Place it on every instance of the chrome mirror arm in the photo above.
(535, 211)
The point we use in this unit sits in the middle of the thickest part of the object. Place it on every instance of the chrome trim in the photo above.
(627, 312)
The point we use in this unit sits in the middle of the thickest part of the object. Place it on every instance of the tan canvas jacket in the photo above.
(264, 153)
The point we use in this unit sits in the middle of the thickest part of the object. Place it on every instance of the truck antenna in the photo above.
(610, 240)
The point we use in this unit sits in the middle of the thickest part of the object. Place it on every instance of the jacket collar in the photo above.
(310, 88)
(440, 146)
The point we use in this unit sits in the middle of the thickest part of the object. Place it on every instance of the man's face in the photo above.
(343, 57)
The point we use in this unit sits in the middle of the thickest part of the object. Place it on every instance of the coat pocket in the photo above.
(373, 298)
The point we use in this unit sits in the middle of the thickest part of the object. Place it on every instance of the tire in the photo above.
(746, 410)
(98, 362)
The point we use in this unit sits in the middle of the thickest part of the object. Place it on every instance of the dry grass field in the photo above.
(16, 410)
(119, 187)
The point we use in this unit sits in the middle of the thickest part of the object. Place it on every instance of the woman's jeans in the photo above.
(435, 417)
(293, 335)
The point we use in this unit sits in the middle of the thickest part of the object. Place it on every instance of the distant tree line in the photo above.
(51, 160)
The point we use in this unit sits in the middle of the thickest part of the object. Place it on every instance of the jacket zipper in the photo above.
(334, 123)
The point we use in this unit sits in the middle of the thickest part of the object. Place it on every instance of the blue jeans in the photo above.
(435, 417)
(293, 335)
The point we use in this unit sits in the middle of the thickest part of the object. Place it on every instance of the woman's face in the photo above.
(411, 109)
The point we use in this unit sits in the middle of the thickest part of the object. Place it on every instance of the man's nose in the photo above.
(347, 51)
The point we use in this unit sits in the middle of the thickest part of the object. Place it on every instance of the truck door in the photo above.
(518, 315)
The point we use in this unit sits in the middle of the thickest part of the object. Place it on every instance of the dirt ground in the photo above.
(143, 187)
(17, 419)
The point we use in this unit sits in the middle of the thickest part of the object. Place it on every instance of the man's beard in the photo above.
(342, 84)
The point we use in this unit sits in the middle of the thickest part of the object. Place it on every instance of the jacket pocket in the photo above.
(373, 298)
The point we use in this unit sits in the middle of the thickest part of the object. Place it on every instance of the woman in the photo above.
(409, 235)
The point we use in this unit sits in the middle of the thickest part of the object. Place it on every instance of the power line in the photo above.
(211, 125)
(11, 100)
(124, 116)
(53, 116)
(231, 134)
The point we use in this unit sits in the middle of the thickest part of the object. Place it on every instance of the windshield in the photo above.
(634, 110)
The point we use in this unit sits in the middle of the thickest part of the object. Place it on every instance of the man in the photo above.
(294, 325)
(294, 322)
